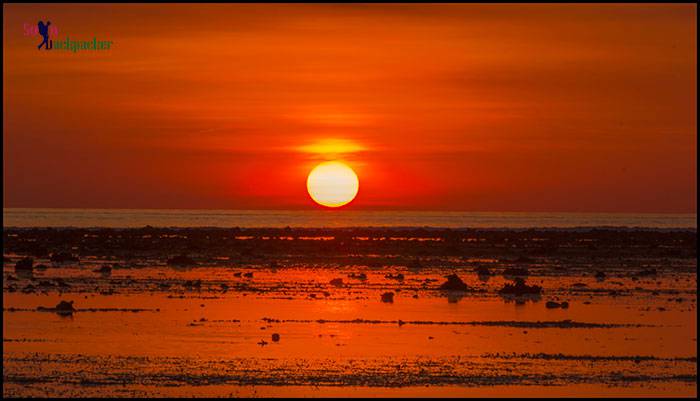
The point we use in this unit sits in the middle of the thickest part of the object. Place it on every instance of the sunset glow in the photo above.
(451, 107)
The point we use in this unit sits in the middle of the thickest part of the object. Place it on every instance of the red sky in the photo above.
(582, 108)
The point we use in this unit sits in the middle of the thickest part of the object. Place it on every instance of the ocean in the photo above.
(124, 218)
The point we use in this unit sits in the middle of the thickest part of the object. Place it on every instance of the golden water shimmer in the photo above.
(307, 312)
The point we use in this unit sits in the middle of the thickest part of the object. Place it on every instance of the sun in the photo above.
(332, 184)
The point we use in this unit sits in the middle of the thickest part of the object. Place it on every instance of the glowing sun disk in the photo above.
(332, 184)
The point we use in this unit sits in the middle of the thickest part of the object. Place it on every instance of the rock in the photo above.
(25, 264)
(454, 283)
(29, 288)
(516, 271)
(181, 260)
(275, 337)
(63, 257)
(248, 275)
(11, 278)
(454, 296)
(41, 267)
(338, 282)
(394, 277)
(600, 275)
(237, 274)
(565, 305)
(193, 284)
(552, 305)
(360, 276)
(388, 297)
(105, 269)
(483, 271)
(647, 272)
(61, 283)
(520, 288)
(523, 259)
(65, 308)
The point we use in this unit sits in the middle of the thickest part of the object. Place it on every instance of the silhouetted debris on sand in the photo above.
(516, 271)
(416, 264)
(248, 275)
(600, 275)
(105, 269)
(338, 282)
(262, 343)
(454, 283)
(398, 276)
(193, 284)
(41, 267)
(388, 297)
(520, 288)
(275, 337)
(62, 308)
(565, 324)
(483, 271)
(358, 276)
(592, 358)
(25, 264)
(64, 257)
(181, 260)
(554, 305)
(61, 283)
(647, 272)
(504, 245)
(65, 307)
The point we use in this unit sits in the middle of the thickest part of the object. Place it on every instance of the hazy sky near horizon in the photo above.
(582, 108)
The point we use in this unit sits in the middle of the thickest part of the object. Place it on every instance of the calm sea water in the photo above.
(15, 217)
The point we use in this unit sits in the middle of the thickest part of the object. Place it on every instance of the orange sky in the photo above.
(583, 108)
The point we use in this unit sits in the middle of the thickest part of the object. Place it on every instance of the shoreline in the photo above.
(387, 228)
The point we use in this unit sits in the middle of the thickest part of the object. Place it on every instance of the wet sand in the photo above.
(207, 327)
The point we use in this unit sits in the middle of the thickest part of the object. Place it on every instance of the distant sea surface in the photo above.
(122, 218)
